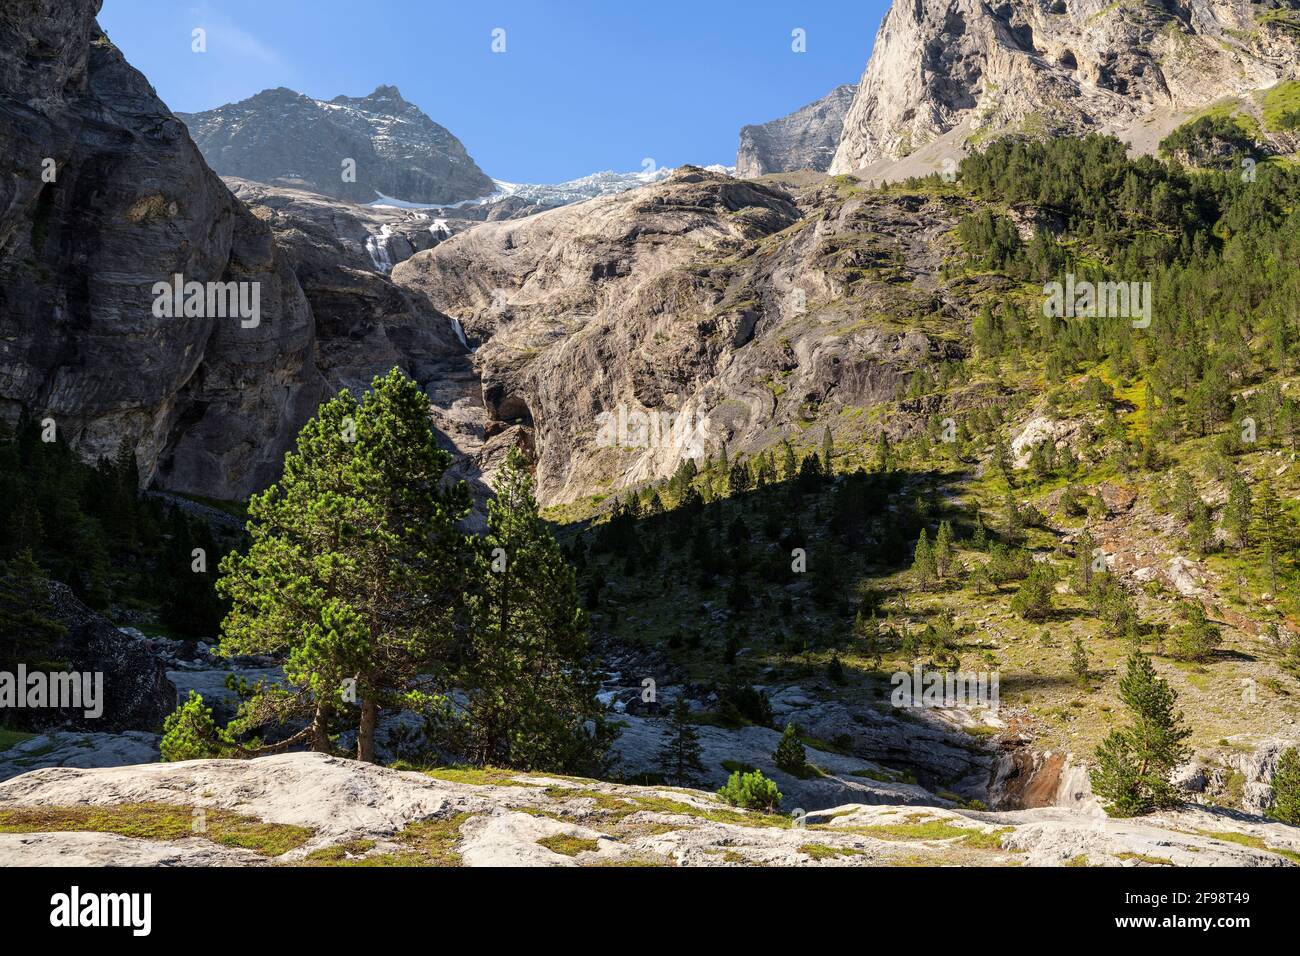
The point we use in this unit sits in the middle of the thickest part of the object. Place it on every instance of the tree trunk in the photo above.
(366, 731)
(319, 734)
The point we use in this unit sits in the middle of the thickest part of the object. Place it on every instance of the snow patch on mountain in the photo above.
(603, 183)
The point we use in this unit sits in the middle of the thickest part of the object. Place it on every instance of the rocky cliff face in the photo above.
(729, 310)
(375, 238)
(283, 138)
(1064, 66)
(341, 255)
(804, 139)
(102, 196)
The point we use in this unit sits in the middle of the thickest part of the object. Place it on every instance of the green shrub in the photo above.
(751, 791)
(1033, 600)
(1197, 638)
(789, 754)
(742, 703)
(190, 733)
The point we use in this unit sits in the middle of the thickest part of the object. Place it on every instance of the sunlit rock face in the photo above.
(1064, 66)
(804, 139)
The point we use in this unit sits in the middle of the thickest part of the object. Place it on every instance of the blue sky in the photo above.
(583, 85)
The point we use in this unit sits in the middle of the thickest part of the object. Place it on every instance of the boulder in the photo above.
(137, 693)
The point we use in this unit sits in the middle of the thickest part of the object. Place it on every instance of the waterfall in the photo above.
(377, 246)
(460, 333)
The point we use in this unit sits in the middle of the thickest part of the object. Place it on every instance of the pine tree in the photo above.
(1134, 763)
(354, 571)
(679, 758)
(1033, 599)
(191, 733)
(867, 628)
(692, 502)
(790, 755)
(835, 670)
(28, 631)
(189, 601)
(884, 453)
(1083, 557)
(682, 479)
(1197, 637)
(923, 565)
(1236, 514)
(789, 465)
(530, 684)
(1286, 788)
(1271, 536)
(1185, 499)
(1200, 534)
(1013, 521)
(828, 451)
(1079, 665)
(943, 550)
(738, 478)
(988, 332)
(1002, 460)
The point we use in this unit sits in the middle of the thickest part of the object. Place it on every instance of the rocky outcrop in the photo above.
(354, 148)
(366, 324)
(373, 238)
(79, 749)
(804, 139)
(1055, 66)
(340, 254)
(1025, 778)
(843, 779)
(346, 812)
(719, 306)
(136, 692)
(582, 308)
(1238, 775)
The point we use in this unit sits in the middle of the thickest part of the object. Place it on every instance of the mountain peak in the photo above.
(384, 96)
(274, 94)
(386, 92)
(283, 138)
